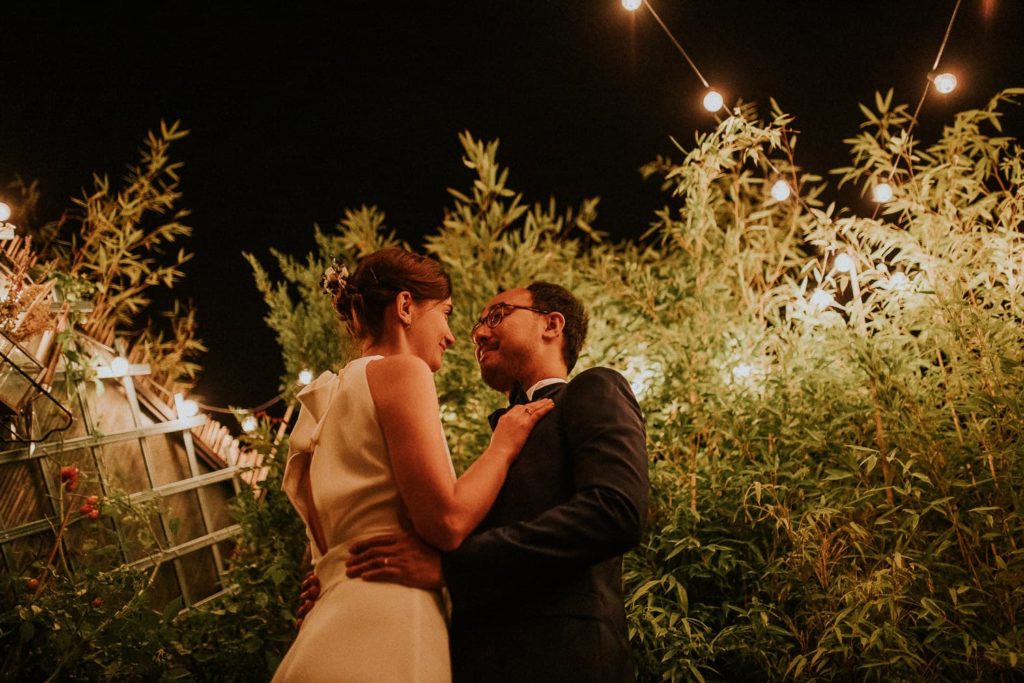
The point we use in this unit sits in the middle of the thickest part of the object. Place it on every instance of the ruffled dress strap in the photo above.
(315, 399)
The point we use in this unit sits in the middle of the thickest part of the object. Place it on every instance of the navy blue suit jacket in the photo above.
(537, 589)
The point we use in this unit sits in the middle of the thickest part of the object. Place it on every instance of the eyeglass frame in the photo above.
(485, 319)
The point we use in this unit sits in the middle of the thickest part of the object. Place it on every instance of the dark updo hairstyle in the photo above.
(362, 297)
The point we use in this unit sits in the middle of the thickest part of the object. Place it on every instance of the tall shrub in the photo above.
(833, 397)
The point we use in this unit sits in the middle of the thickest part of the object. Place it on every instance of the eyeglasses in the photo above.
(496, 313)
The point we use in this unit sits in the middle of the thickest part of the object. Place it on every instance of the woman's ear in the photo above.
(403, 308)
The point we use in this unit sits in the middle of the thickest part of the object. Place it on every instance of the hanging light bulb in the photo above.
(186, 406)
(945, 83)
(632, 5)
(822, 299)
(844, 264)
(249, 424)
(780, 191)
(898, 281)
(882, 192)
(119, 366)
(305, 377)
(5, 212)
(713, 101)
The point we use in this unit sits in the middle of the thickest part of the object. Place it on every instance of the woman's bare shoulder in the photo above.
(401, 372)
(401, 364)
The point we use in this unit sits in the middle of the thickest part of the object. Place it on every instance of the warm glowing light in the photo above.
(844, 264)
(743, 371)
(305, 377)
(186, 406)
(119, 366)
(749, 375)
(945, 83)
(249, 424)
(632, 5)
(713, 101)
(822, 299)
(642, 374)
(882, 192)
(898, 281)
(780, 191)
(5, 212)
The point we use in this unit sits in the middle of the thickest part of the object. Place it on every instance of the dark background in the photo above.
(299, 111)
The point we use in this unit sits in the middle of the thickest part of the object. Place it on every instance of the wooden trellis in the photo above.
(127, 434)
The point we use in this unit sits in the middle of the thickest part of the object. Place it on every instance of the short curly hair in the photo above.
(552, 297)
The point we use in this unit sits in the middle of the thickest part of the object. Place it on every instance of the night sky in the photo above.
(297, 113)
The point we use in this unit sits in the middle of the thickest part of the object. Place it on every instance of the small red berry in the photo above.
(94, 514)
(92, 500)
(69, 475)
(32, 584)
(85, 509)
(96, 602)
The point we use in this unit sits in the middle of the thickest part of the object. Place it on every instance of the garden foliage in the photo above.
(833, 398)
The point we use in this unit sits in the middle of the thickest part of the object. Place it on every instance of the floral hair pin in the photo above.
(335, 278)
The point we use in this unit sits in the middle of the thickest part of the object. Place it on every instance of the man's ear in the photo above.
(554, 325)
(403, 308)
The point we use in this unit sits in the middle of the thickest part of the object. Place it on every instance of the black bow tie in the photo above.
(517, 397)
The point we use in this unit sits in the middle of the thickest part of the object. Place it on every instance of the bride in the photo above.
(367, 457)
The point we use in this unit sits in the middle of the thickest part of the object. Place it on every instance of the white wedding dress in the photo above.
(358, 630)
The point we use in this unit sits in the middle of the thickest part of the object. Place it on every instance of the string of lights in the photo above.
(944, 83)
(713, 100)
(781, 190)
(249, 417)
(120, 367)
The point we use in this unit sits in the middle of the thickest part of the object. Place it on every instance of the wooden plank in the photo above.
(28, 453)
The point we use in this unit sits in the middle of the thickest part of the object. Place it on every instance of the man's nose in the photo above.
(481, 335)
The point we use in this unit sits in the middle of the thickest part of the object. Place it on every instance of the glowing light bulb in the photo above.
(822, 299)
(898, 281)
(186, 406)
(882, 192)
(780, 191)
(844, 264)
(713, 101)
(249, 424)
(743, 371)
(945, 83)
(305, 377)
(5, 212)
(632, 5)
(119, 366)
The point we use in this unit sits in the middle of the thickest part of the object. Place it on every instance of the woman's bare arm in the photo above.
(443, 510)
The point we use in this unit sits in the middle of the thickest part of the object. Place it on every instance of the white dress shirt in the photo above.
(544, 383)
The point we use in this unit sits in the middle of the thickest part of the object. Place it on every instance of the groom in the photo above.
(536, 591)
